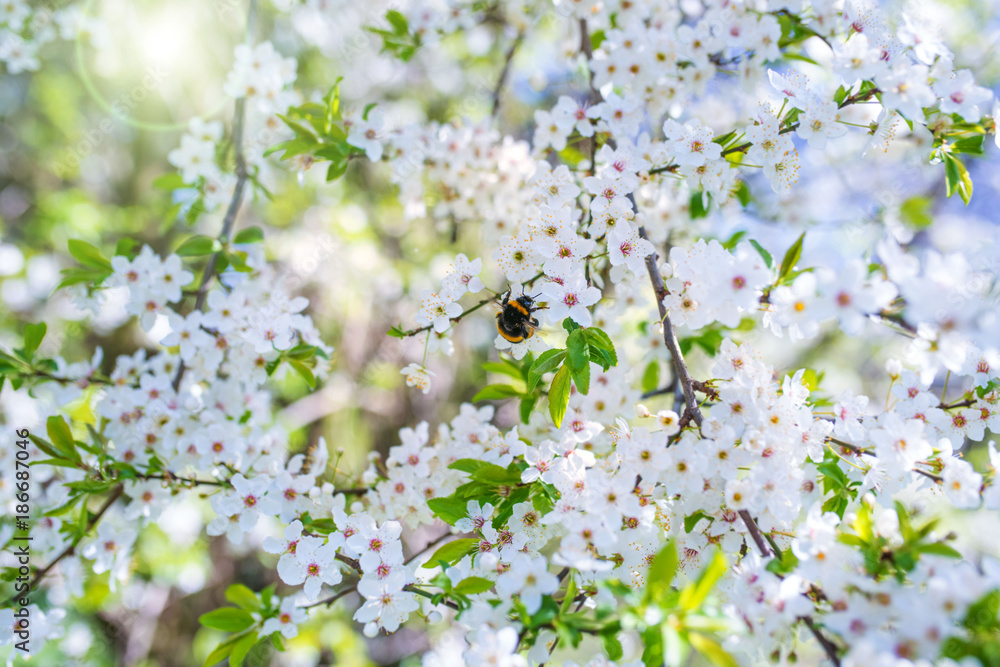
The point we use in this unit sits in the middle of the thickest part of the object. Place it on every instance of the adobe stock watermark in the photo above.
(121, 109)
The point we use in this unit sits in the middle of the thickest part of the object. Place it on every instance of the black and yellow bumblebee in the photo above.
(514, 320)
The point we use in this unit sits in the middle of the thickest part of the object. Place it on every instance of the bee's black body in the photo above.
(514, 321)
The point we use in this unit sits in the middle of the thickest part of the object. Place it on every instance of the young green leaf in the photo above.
(198, 245)
(243, 597)
(228, 619)
(452, 552)
(546, 362)
(33, 335)
(249, 235)
(791, 258)
(494, 392)
(579, 359)
(472, 586)
(61, 436)
(88, 255)
(768, 260)
(559, 396)
(957, 178)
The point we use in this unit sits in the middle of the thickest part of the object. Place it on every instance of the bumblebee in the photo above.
(514, 321)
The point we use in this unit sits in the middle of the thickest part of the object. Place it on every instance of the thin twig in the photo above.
(828, 646)
(669, 337)
(754, 529)
(68, 551)
(694, 413)
(502, 79)
(239, 118)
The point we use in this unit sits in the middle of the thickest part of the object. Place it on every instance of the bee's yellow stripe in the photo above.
(518, 307)
(512, 338)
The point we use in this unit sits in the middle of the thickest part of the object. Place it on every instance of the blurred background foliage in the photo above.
(82, 142)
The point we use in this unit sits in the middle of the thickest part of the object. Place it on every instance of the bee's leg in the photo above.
(533, 322)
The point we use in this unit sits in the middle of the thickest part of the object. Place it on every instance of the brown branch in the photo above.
(70, 550)
(758, 537)
(508, 58)
(669, 337)
(239, 119)
(828, 646)
(694, 413)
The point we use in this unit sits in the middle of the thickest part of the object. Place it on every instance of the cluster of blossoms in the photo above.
(262, 78)
(25, 29)
(196, 158)
(882, 622)
(472, 173)
(260, 75)
(588, 500)
(697, 298)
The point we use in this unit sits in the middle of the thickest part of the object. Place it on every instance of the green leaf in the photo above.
(453, 551)
(599, 339)
(467, 465)
(302, 352)
(546, 362)
(654, 648)
(957, 178)
(304, 372)
(198, 245)
(33, 335)
(559, 396)
(938, 549)
(651, 377)
(473, 585)
(493, 392)
(698, 205)
(972, 145)
(915, 212)
(579, 360)
(692, 520)
(612, 646)
(65, 508)
(249, 235)
(982, 614)
(661, 573)
(172, 181)
(734, 240)
(61, 436)
(243, 597)
(768, 260)
(241, 648)
(336, 169)
(127, 247)
(46, 447)
(88, 255)
(89, 486)
(497, 476)
(76, 276)
(397, 21)
(527, 405)
(228, 619)
(791, 258)
(396, 332)
(449, 509)
(743, 194)
(712, 650)
(694, 594)
(222, 651)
